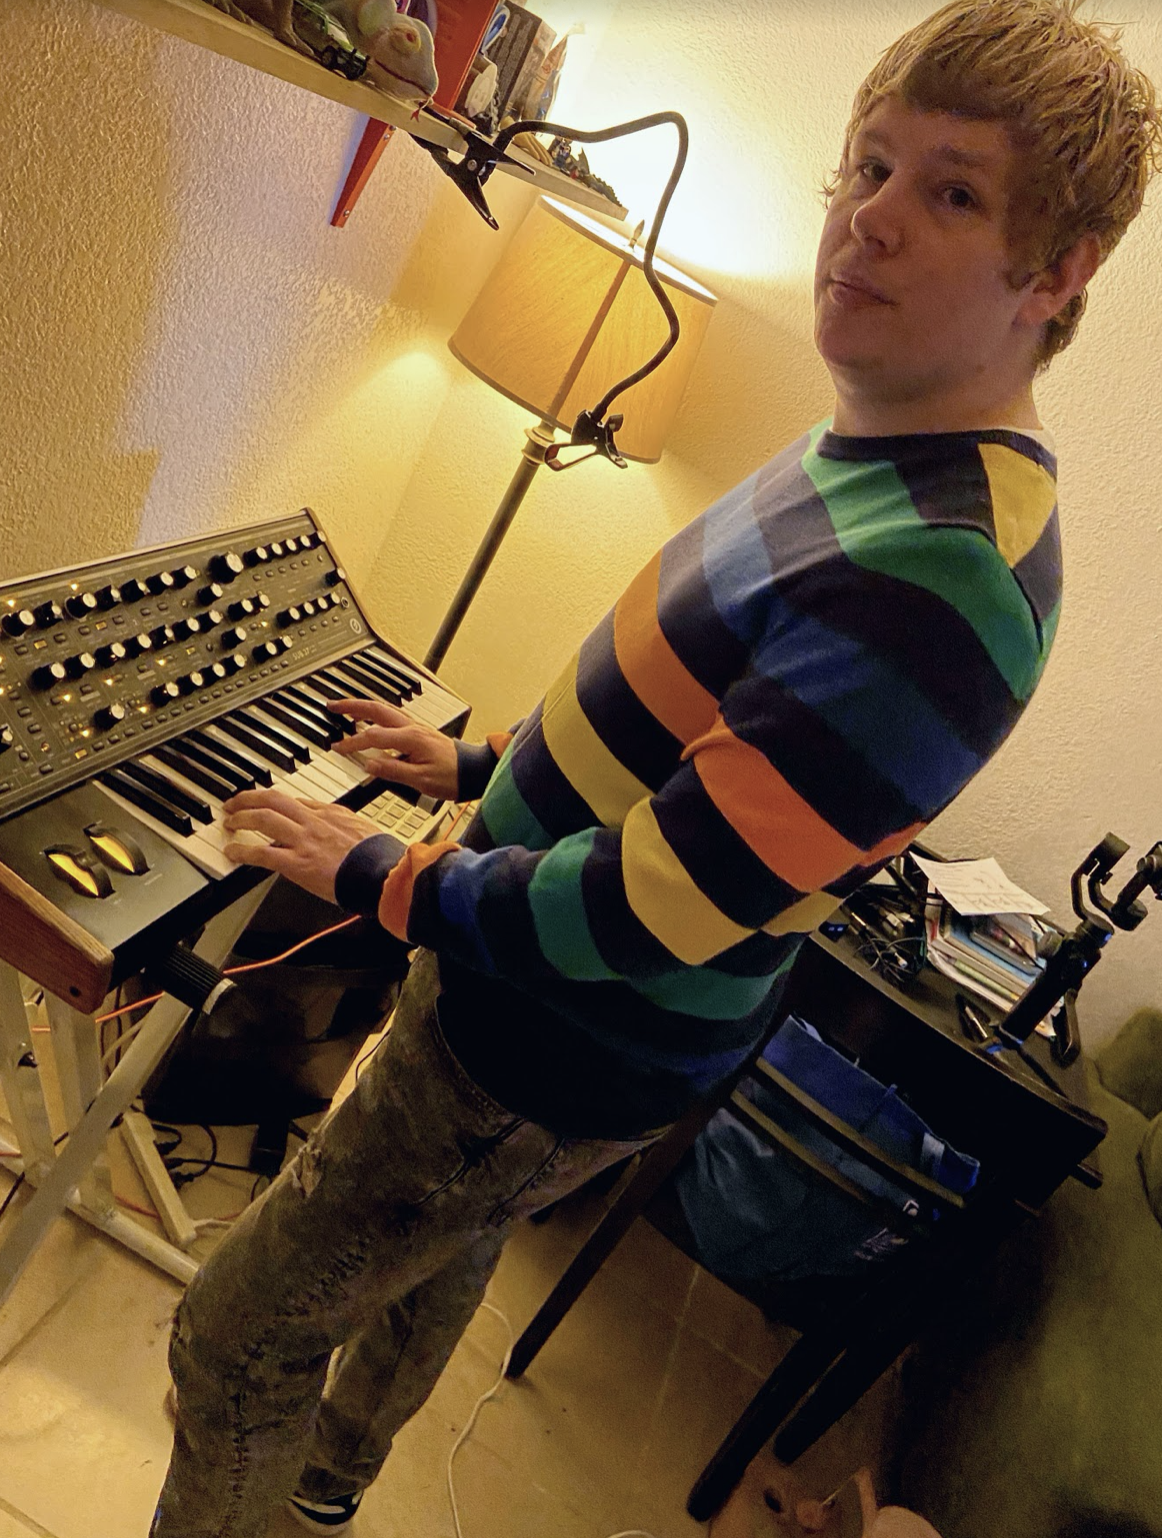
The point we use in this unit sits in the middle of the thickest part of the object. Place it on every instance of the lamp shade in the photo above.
(567, 313)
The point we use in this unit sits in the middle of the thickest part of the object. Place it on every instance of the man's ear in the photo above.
(1051, 289)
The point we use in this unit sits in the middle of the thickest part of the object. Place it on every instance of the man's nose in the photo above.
(880, 220)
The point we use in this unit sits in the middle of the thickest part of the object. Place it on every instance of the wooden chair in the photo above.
(853, 1329)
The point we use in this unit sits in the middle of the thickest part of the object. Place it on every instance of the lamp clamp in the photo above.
(480, 159)
(589, 430)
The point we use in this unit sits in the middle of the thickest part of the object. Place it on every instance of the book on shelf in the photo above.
(969, 951)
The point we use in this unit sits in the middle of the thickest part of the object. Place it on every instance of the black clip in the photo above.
(480, 160)
(598, 435)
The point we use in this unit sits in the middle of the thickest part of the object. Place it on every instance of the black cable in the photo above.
(8, 1200)
(597, 136)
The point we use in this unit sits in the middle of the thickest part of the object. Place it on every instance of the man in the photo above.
(783, 699)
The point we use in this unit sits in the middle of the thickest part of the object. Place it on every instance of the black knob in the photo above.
(265, 650)
(109, 716)
(211, 618)
(48, 614)
(323, 602)
(276, 550)
(290, 616)
(135, 645)
(81, 604)
(183, 629)
(184, 575)
(109, 596)
(285, 642)
(242, 608)
(308, 541)
(226, 566)
(211, 592)
(235, 662)
(308, 608)
(109, 656)
(132, 591)
(48, 675)
(192, 682)
(6, 738)
(335, 576)
(162, 694)
(17, 621)
(162, 635)
(83, 662)
(292, 545)
(262, 600)
(234, 637)
(256, 556)
(160, 582)
(218, 671)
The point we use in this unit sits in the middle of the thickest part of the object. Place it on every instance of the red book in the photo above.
(460, 29)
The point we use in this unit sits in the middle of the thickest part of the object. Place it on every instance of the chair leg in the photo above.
(656, 1165)
(804, 1365)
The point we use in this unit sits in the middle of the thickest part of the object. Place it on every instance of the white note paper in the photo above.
(977, 886)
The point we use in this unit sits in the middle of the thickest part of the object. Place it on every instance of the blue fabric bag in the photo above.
(757, 1213)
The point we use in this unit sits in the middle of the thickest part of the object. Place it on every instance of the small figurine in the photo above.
(399, 49)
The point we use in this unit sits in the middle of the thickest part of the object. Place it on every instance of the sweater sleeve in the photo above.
(476, 763)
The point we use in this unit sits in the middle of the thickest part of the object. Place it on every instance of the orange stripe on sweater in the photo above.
(784, 830)
(498, 741)
(395, 901)
(649, 664)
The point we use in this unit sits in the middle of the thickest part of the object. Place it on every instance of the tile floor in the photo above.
(605, 1434)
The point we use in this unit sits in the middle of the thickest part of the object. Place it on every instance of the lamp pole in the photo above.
(540, 440)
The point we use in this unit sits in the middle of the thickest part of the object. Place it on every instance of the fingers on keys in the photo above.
(377, 712)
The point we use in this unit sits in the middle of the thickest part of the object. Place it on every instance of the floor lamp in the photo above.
(566, 313)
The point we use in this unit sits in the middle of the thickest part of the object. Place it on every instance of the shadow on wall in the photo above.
(82, 175)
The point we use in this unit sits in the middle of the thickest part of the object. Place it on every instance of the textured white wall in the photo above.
(185, 343)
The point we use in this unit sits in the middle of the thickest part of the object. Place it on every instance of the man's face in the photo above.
(914, 309)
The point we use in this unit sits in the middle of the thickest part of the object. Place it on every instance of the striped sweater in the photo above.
(779, 702)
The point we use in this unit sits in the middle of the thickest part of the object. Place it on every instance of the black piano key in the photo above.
(221, 760)
(407, 674)
(313, 707)
(259, 745)
(254, 768)
(161, 785)
(311, 730)
(323, 694)
(340, 687)
(132, 791)
(367, 681)
(194, 769)
(391, 679)
(258, 723)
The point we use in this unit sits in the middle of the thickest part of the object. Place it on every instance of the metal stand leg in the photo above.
(90, 1115)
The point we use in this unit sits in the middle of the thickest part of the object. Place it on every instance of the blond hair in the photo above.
(1084, 123)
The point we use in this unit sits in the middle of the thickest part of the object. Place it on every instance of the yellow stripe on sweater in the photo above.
(665, 899)
(1023, 497)
(604, 784)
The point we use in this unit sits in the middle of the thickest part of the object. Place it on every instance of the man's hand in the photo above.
(309, 839)
(398, 748)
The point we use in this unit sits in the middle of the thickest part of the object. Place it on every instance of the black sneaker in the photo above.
(333, 1516)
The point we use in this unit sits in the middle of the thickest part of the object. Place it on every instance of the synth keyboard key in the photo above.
(258, 745)
(162, 786)
(254, 718)
(366, 682)
(407, 674)
(305, 709)
(302, 691)
(131, 790)
(192, 769)
(298, 723)
(229, 749)
(214, 756)
(394, 675)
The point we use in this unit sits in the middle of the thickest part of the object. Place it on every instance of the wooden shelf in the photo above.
(196, 21)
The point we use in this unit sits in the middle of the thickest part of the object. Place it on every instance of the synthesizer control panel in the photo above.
(98, 663)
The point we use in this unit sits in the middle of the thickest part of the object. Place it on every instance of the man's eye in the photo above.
(959, 197)
(872, 171)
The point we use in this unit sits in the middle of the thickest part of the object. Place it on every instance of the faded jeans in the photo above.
(375, 1245)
